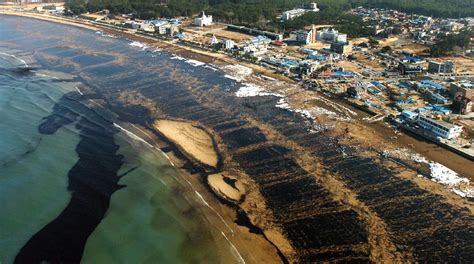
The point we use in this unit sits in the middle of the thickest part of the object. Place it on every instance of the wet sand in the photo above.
(194, 141)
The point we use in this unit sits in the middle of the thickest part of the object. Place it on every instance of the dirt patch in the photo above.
(348, 66)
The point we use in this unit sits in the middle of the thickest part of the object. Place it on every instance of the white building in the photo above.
(290, 14)
(330, 35)
(439, 127)
(341, 38)
(147, 27)
(214, 40)
(229, 44)
(203, 20)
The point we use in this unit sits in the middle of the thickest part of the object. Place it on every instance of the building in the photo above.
(291, 14)
(229, 44)
(463, 96)
(341, 38)
(329, 35)
(434, 98)
(203, 20)
(439, 127)
(147, 27)
(309, 66)
(214, 40)
(307, 36)
(441, 67)
(407, 68)
(341, 47)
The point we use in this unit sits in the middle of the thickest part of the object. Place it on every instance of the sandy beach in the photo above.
(193, 141)
(226, 186)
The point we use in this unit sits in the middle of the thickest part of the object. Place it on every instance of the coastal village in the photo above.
(314, 138)
(392, 78)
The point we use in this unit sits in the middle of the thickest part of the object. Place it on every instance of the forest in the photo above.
(263, 12)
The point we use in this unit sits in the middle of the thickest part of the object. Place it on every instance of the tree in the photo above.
(386, 49)
(373, 42)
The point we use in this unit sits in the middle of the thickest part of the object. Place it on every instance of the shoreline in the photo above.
(209, 57)
(198, 180)
(240, 233)
(172, 47)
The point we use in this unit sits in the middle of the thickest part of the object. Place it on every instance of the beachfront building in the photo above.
(203, 20)
(441, 67)
(307, 36)
(291, 14)
(439, 127)
(147, 27)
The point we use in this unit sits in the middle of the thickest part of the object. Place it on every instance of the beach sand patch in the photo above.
(226, 186)
(194, 141)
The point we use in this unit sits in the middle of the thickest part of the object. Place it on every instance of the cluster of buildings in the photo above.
(170, 27)
(305, 8)
(338, 41)
(424, 105)
(424, 29)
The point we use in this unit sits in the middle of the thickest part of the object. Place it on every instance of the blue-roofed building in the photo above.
(430, 83)
(260, 40)
(317, 57)
(287, 63)
(408, 115)
(309, 51)
(180, 36)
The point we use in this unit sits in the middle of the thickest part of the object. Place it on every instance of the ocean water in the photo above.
(74, 187)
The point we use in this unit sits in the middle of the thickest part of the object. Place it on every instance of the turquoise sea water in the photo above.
(155, 217)
(33, 167)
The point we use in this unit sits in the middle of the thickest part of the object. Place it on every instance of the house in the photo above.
(439, 127)
(203, 20)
